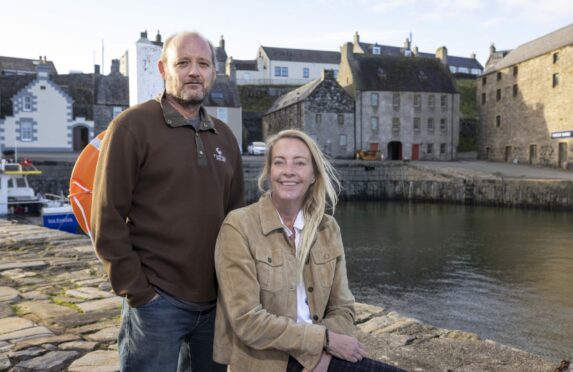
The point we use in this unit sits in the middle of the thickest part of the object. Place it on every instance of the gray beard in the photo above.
(188, 103)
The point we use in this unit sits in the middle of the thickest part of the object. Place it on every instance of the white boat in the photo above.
(57, 214)
(16, 195)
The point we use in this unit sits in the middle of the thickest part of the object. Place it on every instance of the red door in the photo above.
(415, 151)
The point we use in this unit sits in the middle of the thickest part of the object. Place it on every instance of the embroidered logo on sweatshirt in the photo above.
(219, 155)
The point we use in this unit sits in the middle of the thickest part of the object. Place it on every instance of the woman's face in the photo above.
(292, 172)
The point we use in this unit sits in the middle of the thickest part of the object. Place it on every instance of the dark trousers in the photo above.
(339, 365)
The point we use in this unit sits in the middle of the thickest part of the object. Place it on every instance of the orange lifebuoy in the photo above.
(82, 181)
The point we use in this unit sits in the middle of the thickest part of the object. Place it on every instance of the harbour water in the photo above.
(505, 274)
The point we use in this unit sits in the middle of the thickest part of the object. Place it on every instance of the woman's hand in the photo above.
(323, 363)
(345, 347)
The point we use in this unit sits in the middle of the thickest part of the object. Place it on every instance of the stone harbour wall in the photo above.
(385, 180)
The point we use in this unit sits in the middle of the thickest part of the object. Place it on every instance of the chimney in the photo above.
(415, 51)
(407, 44)
(222, 43)
(327, 74)
(231, 69)
(356, 39)
(43, 70)
(492, 49)
(114, 67)
(473, 56)
(158, 38)
(442, 54)
(97, 70)
(143, 34)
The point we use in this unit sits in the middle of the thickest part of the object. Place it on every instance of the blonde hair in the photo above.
(321, 195)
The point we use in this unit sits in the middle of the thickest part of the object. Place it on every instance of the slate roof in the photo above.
(545, 44)
(245, 65)
(223, 94)
(456, 61)
(400, 74)
(9, 86)
(302, 55)
(81, 88)
(294, 96)
(25, 65)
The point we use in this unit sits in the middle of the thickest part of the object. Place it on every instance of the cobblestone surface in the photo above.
(57, 312)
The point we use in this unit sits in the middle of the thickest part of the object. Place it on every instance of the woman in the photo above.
(284, 300)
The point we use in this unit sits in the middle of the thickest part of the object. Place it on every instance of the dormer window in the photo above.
(376, 50)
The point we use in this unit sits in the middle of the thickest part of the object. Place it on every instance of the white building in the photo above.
(283, 66)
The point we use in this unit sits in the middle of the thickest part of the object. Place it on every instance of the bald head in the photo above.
(180, 37)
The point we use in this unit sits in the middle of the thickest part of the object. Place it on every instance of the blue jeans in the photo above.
(159, 336)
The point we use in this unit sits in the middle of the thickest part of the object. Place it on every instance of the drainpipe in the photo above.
(452, 130)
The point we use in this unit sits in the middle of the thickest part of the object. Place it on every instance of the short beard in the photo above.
(187, 103)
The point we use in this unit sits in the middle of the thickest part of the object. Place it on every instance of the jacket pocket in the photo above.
(270, 268)
(325, 265)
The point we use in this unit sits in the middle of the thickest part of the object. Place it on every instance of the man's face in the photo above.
(188, 70)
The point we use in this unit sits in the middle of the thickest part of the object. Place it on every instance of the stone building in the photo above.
(322, 109)
(405, 107)
(460, 67)
(525, 103)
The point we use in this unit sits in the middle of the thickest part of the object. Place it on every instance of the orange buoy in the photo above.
(82, 181)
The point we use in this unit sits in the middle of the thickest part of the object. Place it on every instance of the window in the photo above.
(342, 140)
(335, 73)
(376, 50)
(453, 69)
(26, 132)
(305, 72)
(483, 98)
(430, 125)
(431, 102)
(395, 125)
(444, 102)
(515, 70)
(27, 106)
(515, 90)
(277, 71)
(340, 118)
(374, 123)
(116, 111)
(416, 125)
(556, 57)
(555, 80)
(442, 148)
(417, 103)
(498, 95)
(318, 118)
(284, 71)
(430, 148)
(498, 76)
(396, 101)
(498, 121)
(374, 99)
(483, 80)
(443, 125)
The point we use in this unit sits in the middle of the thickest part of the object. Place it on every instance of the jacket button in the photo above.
(315, 317)
(270, 260)
(310, 289)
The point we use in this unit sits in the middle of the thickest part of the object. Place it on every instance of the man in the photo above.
(167, 175)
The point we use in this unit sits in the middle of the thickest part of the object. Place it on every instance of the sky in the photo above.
(72, 33)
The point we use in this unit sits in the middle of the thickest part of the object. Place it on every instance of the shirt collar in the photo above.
(298, 223)
(174, 119)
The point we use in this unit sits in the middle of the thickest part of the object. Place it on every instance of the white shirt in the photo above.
(302, 310)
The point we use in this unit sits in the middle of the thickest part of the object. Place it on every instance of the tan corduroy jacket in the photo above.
(256, 328)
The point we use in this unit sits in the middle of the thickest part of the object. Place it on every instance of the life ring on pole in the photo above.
(82, 181)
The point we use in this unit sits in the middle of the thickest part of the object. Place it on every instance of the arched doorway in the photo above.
(80, 137)
(395, 150)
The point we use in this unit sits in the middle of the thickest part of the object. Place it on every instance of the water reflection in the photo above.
(505, 274)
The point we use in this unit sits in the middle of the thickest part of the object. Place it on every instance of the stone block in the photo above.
(78, 345)
(105, 335)
(88, 293)
(12, 324)
(45, 310)
(8, 294)
(51, 361)
(45, 340)
(98, 305)
(22, 265)
(100, 360)
(25, 334)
